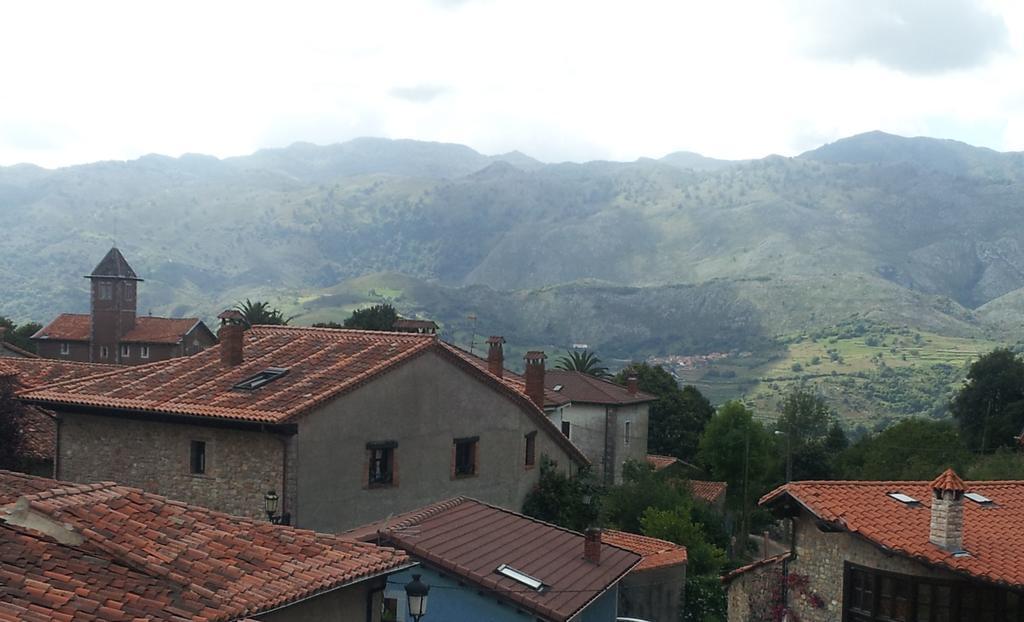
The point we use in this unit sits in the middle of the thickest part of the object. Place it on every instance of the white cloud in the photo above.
(570, 79)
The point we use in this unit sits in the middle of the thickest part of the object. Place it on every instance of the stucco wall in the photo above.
(451, 601)
(347, 604)
(820, 556)
(240, 465)
(655, 594)
(422, 405)
(587, 431)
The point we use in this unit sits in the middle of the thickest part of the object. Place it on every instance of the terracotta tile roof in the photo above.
(992, 533)
(708, 491)
(322, 364)
(14, 485)
(147, 329)
(656, 553)
(509, 378)
(586, 389)
(6, 371)
(146, 557)
(38, 372)
(471, 539)
(948, 480)
(767, 561)
(661, 462)
(38, 434)
(67, 327)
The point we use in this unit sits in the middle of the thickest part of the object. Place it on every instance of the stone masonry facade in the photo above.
(241, 465)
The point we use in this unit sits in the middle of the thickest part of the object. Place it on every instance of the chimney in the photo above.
(947, 524)
(632, 385)
(592, 545)
(535, 377)
(495, 356)
(232, 328)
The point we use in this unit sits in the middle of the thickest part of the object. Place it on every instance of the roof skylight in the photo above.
(902, 498)
(977, 498)
(557, 387)
(256, 381)
(521, 577)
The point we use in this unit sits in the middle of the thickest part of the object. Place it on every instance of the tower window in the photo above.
(104, 352)
(106, 290)
(129, 291)
(629, 431)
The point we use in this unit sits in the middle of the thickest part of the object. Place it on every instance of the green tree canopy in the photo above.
(20, 335)
(585, 362)
(913, 449)
(10, 426)
(259, 312)
(571, 502)
(989, 408)
(1004, 463)
(805, 424)
(677, 418)
(378, 317)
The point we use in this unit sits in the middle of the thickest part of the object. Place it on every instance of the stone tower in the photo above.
(113, 306)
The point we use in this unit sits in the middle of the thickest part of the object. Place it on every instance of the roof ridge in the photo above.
(425, 512)
(326, 330)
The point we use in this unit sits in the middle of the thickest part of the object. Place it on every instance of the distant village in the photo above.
(164, 469)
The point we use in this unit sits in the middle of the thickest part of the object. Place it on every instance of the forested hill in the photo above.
(911, 230)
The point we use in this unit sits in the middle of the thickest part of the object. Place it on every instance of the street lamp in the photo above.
(416, 591)
(270, 501)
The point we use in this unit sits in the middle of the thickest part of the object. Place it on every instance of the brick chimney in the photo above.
(947, 524)
(535, 377)
(632, 385)
(232, 330)
(496, 356)
(592, 545)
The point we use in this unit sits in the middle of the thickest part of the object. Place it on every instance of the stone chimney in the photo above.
(592, 545)
(496, 356)
(535, 377)
(232, 330)
(947, 524)
(632, 385)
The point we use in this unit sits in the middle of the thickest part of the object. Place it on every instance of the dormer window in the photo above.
(265, 377)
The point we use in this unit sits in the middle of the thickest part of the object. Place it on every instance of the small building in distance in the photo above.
(113, 332)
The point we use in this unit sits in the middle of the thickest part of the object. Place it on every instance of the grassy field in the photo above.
(870, 374)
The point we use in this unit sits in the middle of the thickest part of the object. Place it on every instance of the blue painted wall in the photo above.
(450, 602)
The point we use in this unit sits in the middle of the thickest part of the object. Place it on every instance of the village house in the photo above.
(866, 551)
(710, 492)
(655, 588)
(113, 332)
(344, 426)
(109, 552)
(488, 563)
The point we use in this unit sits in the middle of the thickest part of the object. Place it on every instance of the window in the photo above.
(129, 291)
(266, 376)
(126, 351)
(106, 290)
(104, 352)
(465, 456)
(629, 431)
(144, 352)
(531, 449)
(521, 577)
(65, 348)
(381, 463)
(389, 610)
(197, 458)
(566, 428)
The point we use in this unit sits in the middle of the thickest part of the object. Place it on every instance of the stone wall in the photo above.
(752, 595)
(241, 466)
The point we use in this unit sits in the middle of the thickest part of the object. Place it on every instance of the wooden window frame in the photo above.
(567, 429)
(530, 459)
(474, 459)
(389, 451)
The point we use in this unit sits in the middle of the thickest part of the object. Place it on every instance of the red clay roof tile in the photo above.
(147, 329)
(948, 480)
(147, 557)
(708, 491)
(656, 553)
(992, 535)
(471, 539)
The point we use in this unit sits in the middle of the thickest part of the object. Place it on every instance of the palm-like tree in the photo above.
(259, 312)
(586, 362)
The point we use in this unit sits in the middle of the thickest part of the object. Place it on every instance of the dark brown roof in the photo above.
(586, 389)
(402, 324)
(142, 556)
(322, 364)
(471, 539)
(992, 535)
(147, 329)
(114, 265)
(511, 379)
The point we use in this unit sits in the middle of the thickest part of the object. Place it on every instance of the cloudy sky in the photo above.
(560, 80)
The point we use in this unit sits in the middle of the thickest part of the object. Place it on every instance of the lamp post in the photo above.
(270, 501)
(416, 592)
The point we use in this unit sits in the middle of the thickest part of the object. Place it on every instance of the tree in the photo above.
(989, 408)
(570, 502)
(803, 425)
(677, 418)
(1004, 463)
(377, 317)
(260, 312)
(10, 426)
(913, 449)
(585, 362)
(20, 335)
(641, 488)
